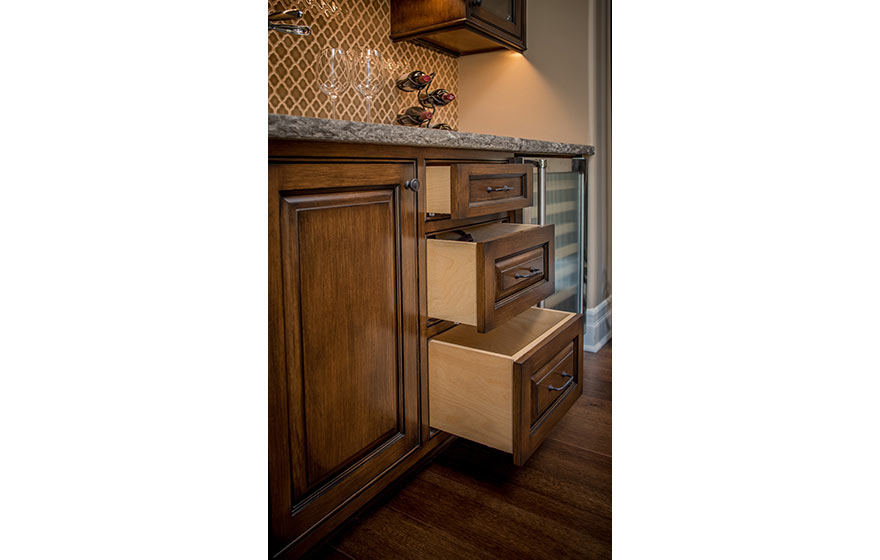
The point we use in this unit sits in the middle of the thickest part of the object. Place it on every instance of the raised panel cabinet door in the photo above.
(344, 341)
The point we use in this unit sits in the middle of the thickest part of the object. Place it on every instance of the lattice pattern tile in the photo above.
(293, 76)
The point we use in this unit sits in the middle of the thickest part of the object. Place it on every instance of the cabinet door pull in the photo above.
(494, 189)
(532, 272)
(413, 184)
(567, 383)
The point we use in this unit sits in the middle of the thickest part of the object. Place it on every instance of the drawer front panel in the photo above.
(488, 189)
(515, 272)
(541, 408)
(552, 381)
(481, 189)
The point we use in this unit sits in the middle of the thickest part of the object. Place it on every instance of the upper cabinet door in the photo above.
(504, 15)
(343, 325)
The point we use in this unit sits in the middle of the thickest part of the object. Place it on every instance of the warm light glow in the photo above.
(510, 94)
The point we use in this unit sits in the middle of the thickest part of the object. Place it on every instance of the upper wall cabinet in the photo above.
(461, 27)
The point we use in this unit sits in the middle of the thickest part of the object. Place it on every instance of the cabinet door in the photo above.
(343, 331)
(500, 15)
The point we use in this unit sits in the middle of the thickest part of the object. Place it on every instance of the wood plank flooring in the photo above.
(472, 502)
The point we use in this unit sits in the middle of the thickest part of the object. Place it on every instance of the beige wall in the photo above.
(599, 197)
(559, 89)
(537, 94)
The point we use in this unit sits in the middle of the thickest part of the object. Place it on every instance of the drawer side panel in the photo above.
(470, 394)
(452, 282)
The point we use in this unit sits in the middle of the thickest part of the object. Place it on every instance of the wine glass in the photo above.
(368, 74)
(395, 69)
(334, 72)
(327, 8)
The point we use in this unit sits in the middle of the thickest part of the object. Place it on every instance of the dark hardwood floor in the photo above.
(472, 502)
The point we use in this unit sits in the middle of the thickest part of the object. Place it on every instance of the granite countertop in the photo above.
(289, 127)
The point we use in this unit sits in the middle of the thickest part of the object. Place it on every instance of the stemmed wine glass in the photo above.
(395, 68)
(334, 71)
(368, 74)
(327, 8)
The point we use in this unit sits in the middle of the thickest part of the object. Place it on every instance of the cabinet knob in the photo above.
(476, 2)
(413, 184)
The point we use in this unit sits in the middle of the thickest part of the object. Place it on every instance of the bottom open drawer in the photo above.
(507, 388)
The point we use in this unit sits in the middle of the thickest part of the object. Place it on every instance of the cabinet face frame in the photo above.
(300, 503)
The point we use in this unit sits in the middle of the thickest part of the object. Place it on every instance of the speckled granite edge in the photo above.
(289, 127)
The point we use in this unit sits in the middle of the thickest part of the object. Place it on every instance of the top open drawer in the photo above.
(463, 190)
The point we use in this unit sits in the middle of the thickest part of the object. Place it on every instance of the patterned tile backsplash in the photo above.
(293, 73)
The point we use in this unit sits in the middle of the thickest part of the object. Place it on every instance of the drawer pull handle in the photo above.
(532, 272)
(494, 189)
(564, 387)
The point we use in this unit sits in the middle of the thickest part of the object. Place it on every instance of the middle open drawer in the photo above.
(486, 274)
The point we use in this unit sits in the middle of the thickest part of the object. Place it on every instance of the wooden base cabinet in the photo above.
(365, 285)
(344, 335)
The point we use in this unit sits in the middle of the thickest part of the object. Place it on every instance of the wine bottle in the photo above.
(414, 116)
(414, 81)
(439, 97)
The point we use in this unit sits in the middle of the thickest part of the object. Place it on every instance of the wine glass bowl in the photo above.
(330, 9)
(395, 67)
(369, 75)
(334, 72)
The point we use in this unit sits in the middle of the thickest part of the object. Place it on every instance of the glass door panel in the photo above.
(565, 209)
(504, 15)
(503, 9)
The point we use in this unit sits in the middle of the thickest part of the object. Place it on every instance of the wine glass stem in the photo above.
(333, 107)
(369, 108)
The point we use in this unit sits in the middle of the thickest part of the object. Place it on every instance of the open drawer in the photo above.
(507, 388)
(484, 275)
(464, 190)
